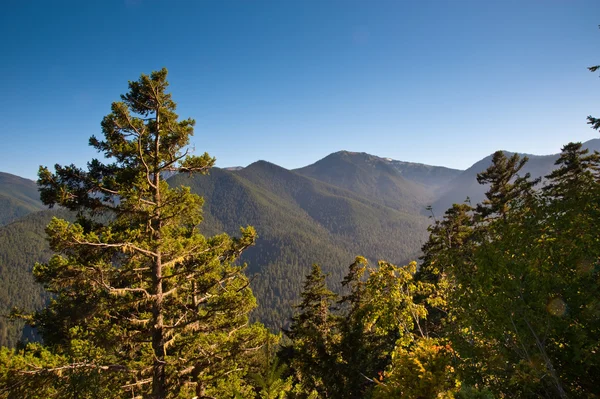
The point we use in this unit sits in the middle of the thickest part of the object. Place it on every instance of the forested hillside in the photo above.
(300, 221)
(22, 244)
(18, 197)
(327, 213)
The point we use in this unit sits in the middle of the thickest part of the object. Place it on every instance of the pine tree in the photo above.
(446, 237)
(505, 184)
(576, 172)
(444, 254)
(311, 352)
(141, 298)
(359, 352)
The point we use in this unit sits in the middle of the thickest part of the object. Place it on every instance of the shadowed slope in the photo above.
(18, 197)
(379, 179)
(22, 244)
(300, 221)
(465, 185)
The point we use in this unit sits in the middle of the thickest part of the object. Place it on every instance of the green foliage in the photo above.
(520, 275)
(576, 172)
(272, 383)
(143, 304)
(468, 392)
(357, 348)
(505, 184)
(311, 354)
(422, 371)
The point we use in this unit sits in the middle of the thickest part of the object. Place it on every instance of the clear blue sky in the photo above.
(439, 82)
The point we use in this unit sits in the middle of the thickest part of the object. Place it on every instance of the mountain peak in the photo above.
(342, 162)
(262, 164)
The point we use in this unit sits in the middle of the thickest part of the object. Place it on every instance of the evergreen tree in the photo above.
(447, 248)
(360, 354)
(311, 355)
(353, 281)
(505, 184)
(522, 289)
(142, 300)
(446, 236)
(270, 380)
(576, 170)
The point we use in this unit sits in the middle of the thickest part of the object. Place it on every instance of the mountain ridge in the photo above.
(300, 221)
(346, 204)
(18, 198)
(371, 177)
(465, 185)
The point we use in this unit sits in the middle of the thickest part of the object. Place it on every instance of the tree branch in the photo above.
(73, 366)
(123, 245)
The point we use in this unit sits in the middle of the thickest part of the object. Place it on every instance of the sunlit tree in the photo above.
(142, 301)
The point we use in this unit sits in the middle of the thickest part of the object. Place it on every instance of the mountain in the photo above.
(344, 205)
(300, 221)
(465, 185)
(430, 176)
(400, 185)
(18, 197)
(22, 244)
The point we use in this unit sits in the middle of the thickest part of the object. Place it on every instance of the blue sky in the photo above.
(437, 82)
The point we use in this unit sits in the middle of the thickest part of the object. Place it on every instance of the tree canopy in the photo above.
(143, 303)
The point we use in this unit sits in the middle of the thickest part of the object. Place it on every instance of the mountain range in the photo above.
(465, 185)
(343, 205)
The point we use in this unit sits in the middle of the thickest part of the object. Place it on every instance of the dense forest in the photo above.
(23, 244)
(300, 221)
(148, 296)
(18, 198)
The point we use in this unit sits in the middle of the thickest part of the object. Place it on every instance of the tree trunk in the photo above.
(159, 390)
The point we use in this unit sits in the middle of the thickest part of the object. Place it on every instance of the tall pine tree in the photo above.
(141, 299)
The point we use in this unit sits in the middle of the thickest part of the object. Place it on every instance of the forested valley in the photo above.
(340, 283)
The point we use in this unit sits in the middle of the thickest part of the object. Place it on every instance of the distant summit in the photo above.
(372, 177)
(428, 175)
